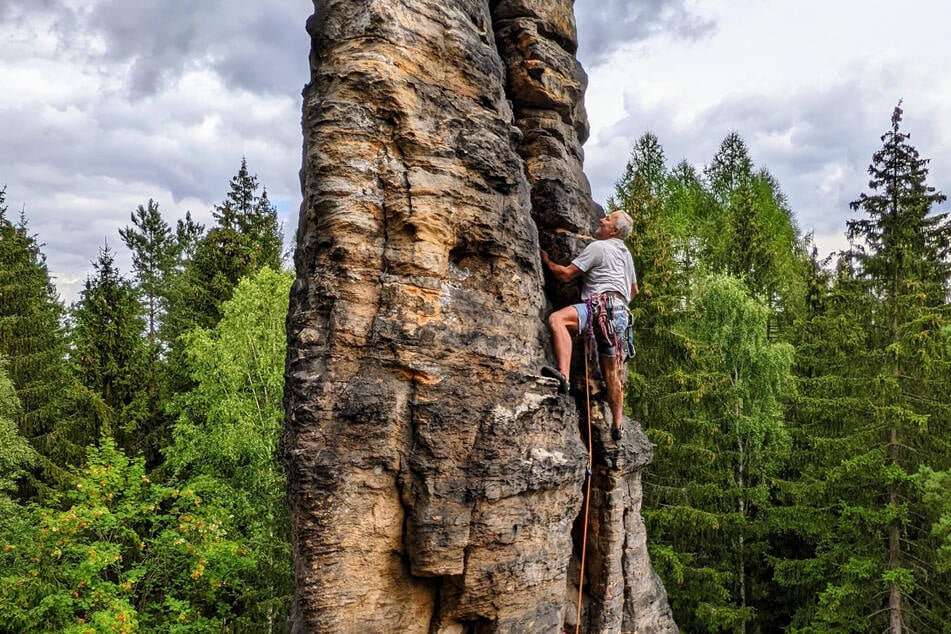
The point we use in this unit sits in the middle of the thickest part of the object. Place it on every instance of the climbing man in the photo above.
(609, 284)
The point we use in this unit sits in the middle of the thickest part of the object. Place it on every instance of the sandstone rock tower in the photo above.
(435, 482)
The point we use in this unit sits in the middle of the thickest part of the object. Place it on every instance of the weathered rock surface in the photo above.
(434, 481)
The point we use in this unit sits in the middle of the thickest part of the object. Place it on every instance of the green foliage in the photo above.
(126, 555)
(714, 415)
(935, 487)
(33, 343)
(109, 355)
(902, 246)
(15, 452)
(227, 431)
(16, 457)
(158, 262)
(247, 237)
(155, 252)
(873, 415)
(709, 496)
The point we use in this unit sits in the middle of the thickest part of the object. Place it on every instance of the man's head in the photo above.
(616, 224)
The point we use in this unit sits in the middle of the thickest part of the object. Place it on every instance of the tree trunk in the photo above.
(894, 544)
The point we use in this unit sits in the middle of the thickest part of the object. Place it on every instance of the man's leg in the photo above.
(612, 383)
(563, 323)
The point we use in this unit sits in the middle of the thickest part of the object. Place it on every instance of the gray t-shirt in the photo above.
(607, 266)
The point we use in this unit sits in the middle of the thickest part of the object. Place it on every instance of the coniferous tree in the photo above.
(16, 457)
(762, 247)
(707, 502)
(156, 262)
(154, 254)
(246, 238)
(188, 234)
(109, 355)
(731, 168)
(874, 411)
(903, 256)
(643, 191)
(734, 221)
(32, 340)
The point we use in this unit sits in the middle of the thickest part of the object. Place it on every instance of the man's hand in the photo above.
(563, 274)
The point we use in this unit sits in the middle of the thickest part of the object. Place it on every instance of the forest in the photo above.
(799, 406)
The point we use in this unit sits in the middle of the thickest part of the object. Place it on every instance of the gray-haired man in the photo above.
(609, 284)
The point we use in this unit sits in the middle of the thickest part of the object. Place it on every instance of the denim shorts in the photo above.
(619, 310)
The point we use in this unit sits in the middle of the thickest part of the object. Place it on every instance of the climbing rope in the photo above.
(587, 495)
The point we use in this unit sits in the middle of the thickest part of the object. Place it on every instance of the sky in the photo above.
(110, 103)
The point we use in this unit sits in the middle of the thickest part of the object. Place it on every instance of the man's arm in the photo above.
(561, 273)
(634, 290)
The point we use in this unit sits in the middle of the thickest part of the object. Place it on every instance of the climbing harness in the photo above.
(601, 331)
(587, 495)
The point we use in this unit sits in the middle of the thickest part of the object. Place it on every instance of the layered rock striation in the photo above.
(435, 482)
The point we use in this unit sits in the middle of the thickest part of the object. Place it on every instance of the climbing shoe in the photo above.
(556, 374)
(615, 433)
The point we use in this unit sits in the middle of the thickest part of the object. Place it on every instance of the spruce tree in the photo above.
(109, 354)
(246, 238)
(903, 255)
(32, 340)
(874, 412)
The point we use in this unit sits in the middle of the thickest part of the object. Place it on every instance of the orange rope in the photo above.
(587, 496)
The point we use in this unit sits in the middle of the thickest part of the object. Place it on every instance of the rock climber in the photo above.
(609, 284)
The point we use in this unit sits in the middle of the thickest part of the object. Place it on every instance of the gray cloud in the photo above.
(605, 25)
(124, 101)
(79, 155)
(817, 142)
(260, 47)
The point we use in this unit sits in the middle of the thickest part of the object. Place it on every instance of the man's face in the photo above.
(606, 227)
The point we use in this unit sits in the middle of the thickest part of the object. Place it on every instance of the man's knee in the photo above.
(564, 318)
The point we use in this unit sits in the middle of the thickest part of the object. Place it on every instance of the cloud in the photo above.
(259, 47)
(120, 102)
(606, 25)
(817, 141)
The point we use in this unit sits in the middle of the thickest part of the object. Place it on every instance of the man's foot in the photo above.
(615, 432)
(555, 373)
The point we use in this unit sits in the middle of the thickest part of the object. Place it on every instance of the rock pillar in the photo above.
(434, 479)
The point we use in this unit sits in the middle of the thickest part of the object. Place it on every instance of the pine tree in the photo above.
(154, 254)
(157, 262)
(188, 234)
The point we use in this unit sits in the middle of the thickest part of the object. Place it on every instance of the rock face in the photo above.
(436, 483)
